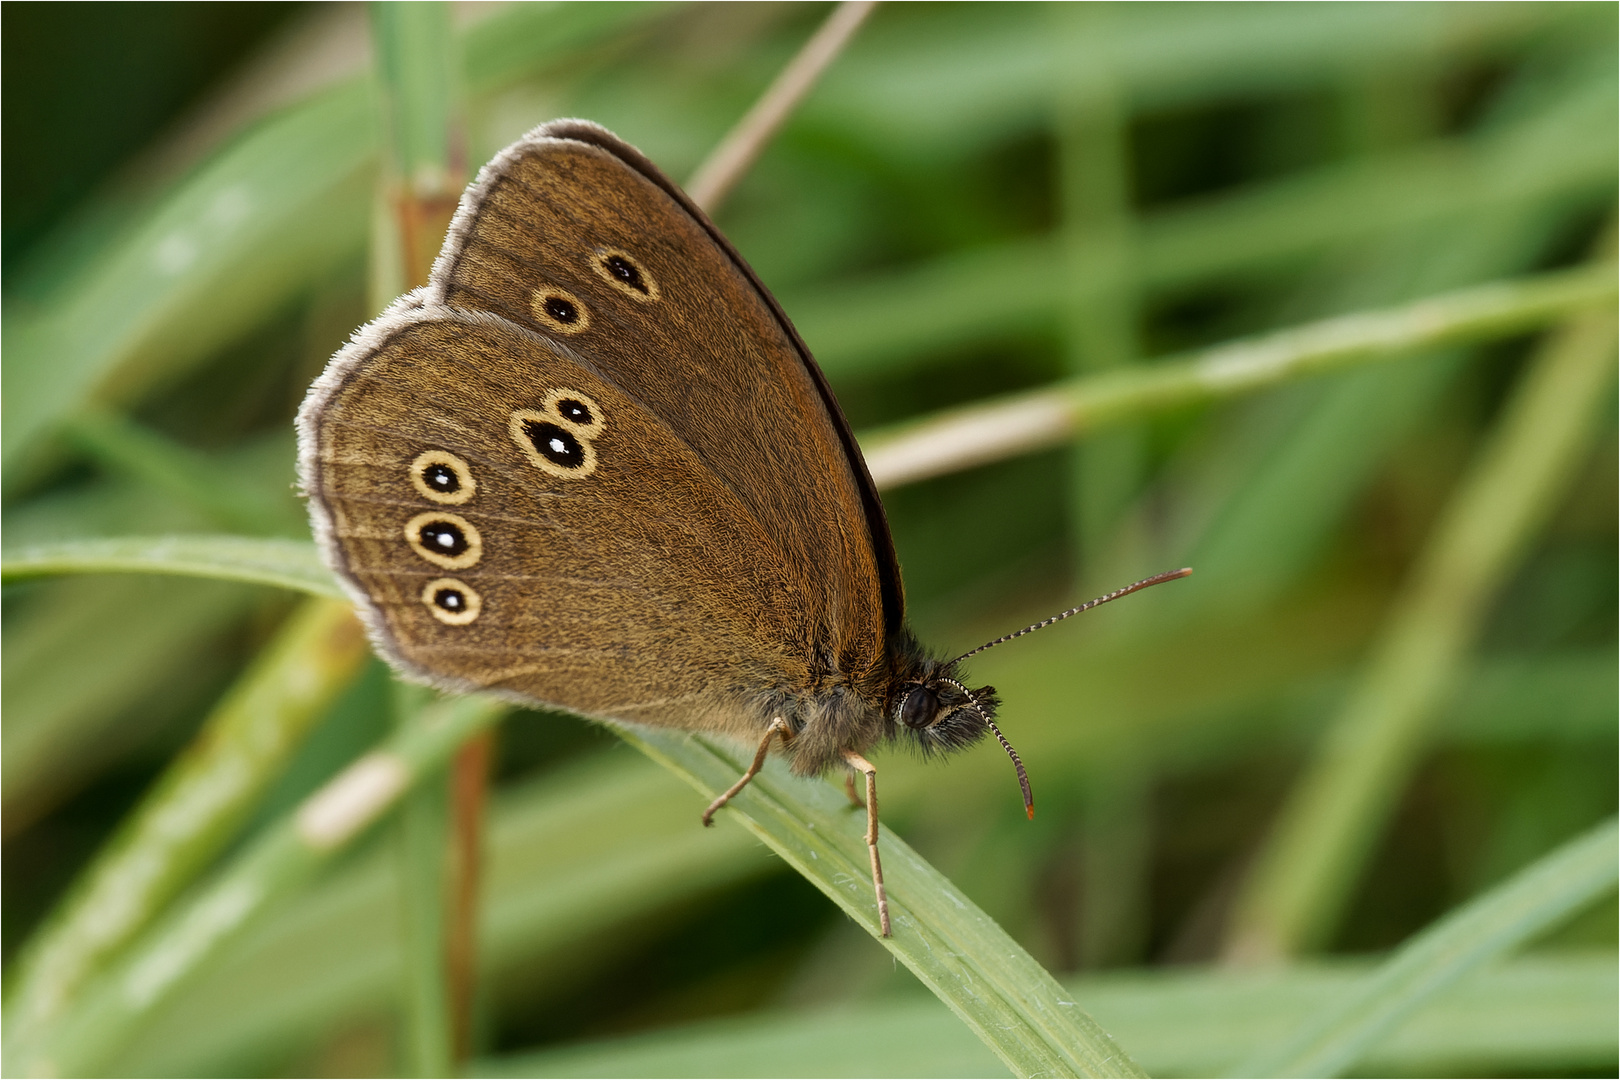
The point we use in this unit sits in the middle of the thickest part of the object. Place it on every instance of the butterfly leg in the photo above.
(849, 789)
(777, 727)
(860, 764)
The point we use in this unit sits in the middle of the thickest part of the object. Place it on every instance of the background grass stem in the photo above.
(735, 154)
(286, 564)
(1306, 873)
(422, 835)
(187, 818)
(277, 862)
(994, 430)
(1530, 903)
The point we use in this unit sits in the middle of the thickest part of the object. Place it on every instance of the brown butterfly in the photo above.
(591, 466)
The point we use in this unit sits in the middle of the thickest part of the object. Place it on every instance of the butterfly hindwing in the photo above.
(511, 520)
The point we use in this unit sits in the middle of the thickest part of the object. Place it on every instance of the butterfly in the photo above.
(591, 466)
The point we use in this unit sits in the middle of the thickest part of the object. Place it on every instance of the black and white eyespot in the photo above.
(625, 272)
(552, 447)
(446, 540)
(442, 477)
(452, 602)
(579, 413)
(559, 310)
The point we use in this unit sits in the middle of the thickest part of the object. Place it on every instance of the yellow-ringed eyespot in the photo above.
(442, 477)
(580, 414)
(551, 446)
(445, 539)
(558, 310)
(625, 273)
(452, 602)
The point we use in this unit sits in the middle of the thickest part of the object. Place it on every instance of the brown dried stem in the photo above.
(469, 789)
(743, 144)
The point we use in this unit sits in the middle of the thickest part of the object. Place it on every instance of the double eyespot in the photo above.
(558, 437)
(444, 539)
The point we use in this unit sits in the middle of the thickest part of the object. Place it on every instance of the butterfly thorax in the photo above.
(913, 698)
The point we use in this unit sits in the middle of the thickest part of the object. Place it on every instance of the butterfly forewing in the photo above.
(570, 240)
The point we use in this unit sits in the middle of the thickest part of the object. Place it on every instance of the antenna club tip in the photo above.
(1029, 808)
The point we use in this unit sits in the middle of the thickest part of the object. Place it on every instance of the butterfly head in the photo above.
(940, 714)
(932, 708)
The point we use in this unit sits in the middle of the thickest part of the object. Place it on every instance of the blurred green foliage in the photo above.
(978, 199)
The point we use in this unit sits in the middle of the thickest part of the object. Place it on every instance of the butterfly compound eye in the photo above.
(920, 708)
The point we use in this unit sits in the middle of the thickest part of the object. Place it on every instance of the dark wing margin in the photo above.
(877, 522)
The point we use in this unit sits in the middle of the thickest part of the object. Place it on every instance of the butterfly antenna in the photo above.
(1018, 762)
(1156, 579)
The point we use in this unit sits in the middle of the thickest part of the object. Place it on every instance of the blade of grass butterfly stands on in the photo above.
(590, 465)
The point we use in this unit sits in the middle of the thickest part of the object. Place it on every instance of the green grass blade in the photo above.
(286, 564)
(422, 835)
(579, 862)
(416, 68)
(958, 952)
(283, 857)
(1293, 467)
(196, 480)
(1531, 902)
(1336, 812)
(525, 38)
(582, 863)
(1100, 306)
(1551, 1012)
(270, 213)
(75, 675)
(275, 211)
(578, 876)
(901, 317)
(1561, 696)
(126, 501)
(1019, 424)
(1097, 295)
(193, 811)
(995, 82)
